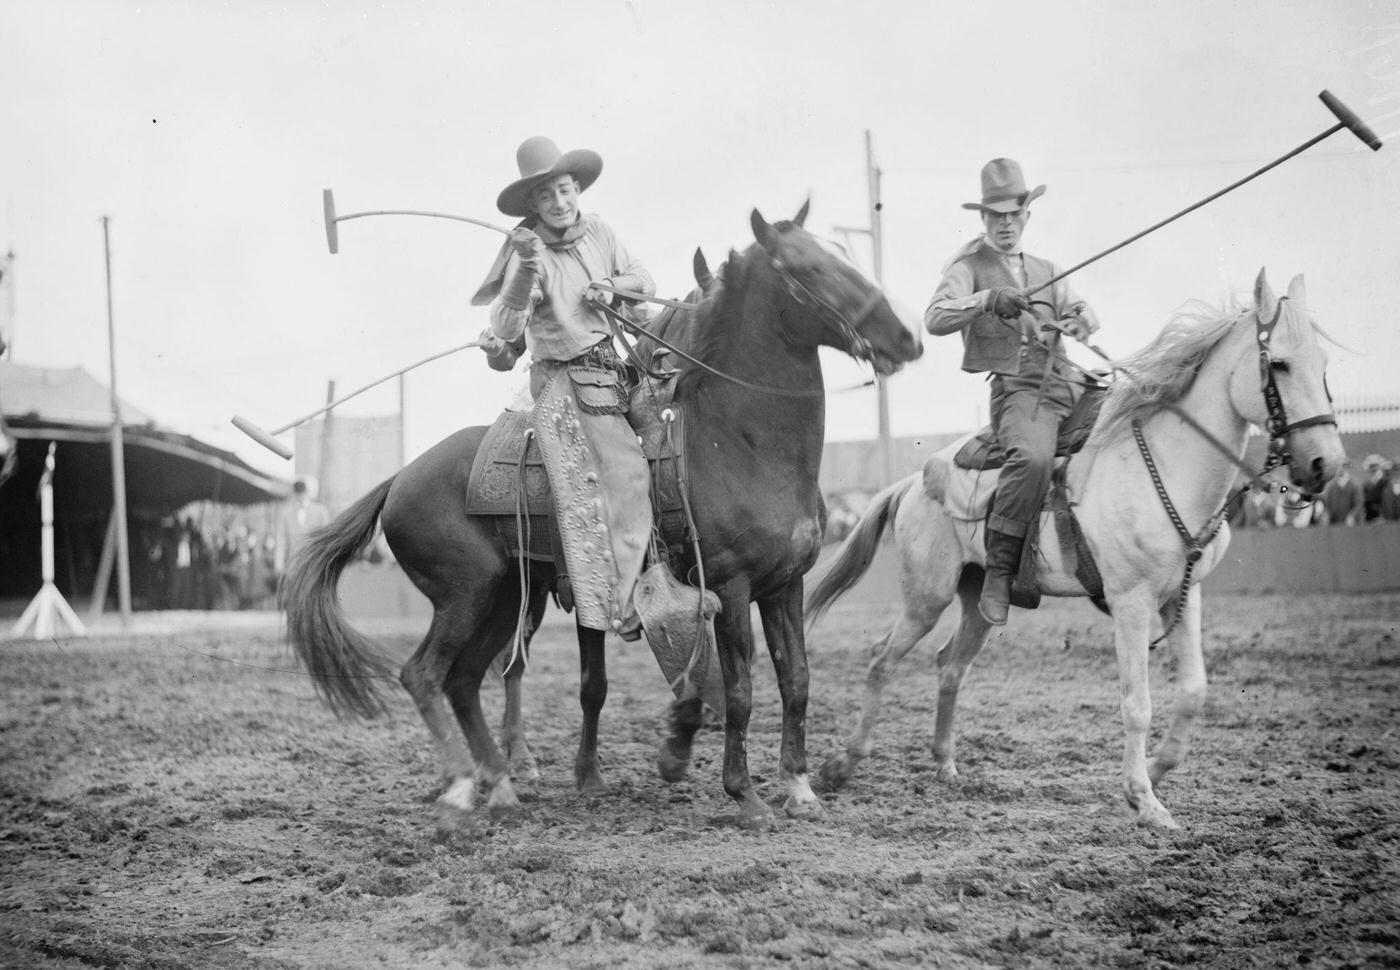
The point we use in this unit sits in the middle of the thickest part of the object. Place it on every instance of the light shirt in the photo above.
(955, 304)
(557, 324)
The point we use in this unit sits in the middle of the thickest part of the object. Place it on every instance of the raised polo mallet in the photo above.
(267, 438)
(333, 234)
(1346, 118)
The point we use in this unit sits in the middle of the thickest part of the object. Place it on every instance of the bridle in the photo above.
(802, 294)
(1277, 424)
(1278, 427)
(849, 328)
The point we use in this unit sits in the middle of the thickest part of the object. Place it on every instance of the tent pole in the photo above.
(118, 458)
(104, 572)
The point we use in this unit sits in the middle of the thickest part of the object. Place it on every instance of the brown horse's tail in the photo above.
(858, 551)
(346, 666)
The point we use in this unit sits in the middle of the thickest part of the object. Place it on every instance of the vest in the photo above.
(988, 343)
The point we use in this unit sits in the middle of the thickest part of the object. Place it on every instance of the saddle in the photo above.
(962, 478)
(509, 456)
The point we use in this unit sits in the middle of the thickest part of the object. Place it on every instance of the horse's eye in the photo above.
(1279, 366)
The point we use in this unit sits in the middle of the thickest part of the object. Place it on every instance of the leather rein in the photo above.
(1278, 427)
(849, 328)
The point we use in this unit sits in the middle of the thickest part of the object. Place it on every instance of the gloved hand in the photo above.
(526, 243)
(1007, 302)
(491, 344)
(602, 296)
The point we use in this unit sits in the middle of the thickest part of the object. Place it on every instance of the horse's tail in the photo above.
(346, 666)
(858, 551)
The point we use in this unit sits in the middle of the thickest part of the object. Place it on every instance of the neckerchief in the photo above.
(553, 238)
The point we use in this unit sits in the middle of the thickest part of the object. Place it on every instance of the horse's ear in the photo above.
(1264, 298)
(701, 268)
(762, 231)
(1296, 292)
(801, 216)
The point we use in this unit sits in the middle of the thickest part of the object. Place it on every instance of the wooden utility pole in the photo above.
(874, 231)
(118, 457)
(324, 463)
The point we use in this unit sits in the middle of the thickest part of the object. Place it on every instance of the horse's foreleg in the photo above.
(954, 658)
(1190, 685)
(885, 653)
(673, 759)
(782, 628)
(1131, 629)
(734, 631)
(593, 691)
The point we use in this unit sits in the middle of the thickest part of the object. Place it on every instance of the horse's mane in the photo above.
(1164, 370)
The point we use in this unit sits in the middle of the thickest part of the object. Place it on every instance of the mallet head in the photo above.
(1348, 117)
(261, 436)
(332, 233)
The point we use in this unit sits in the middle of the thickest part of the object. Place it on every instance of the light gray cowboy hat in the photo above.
(1004, 188)
(539, 159)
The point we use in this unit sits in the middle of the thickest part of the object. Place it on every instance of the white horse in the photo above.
(1190, 397)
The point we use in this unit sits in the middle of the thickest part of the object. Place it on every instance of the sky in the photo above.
(206, 133)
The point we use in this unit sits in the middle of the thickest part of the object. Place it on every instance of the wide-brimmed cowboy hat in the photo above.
(539, 159)
(1004, 188)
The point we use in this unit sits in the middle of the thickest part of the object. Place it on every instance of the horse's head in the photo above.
(1286, 393)
(840, 307)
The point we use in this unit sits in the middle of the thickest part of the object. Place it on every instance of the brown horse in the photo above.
(751, 387)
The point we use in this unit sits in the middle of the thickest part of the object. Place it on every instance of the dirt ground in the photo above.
(183, 800)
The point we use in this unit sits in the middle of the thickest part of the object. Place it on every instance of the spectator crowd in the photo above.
(1349, 499)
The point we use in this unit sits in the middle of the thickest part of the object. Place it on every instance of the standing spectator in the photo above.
(302, 516)
(1343, 499)
(1388, 505)
(1377, 475)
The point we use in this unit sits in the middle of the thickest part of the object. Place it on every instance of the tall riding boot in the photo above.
(1003, 559)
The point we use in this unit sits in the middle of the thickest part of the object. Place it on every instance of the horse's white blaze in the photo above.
(460, 794)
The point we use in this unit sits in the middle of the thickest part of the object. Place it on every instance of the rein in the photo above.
(848, 327)
(1278, 427)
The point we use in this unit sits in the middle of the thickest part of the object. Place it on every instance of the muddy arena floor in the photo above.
(180, 798)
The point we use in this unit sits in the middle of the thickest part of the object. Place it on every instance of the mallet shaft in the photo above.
(266, 439)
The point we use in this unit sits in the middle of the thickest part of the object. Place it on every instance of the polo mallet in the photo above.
(333, 234)
(267, 438)
(1346, 118)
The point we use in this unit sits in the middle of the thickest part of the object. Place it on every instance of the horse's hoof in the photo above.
(835, 774)
(947, 772)
(526, 769)
(453, 821)
(804, 811)
(756, 819)
(590, 783)
(1157, 818)
(671, 766)
(503, 804)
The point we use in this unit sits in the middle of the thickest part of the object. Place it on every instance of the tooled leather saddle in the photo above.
(509, 460)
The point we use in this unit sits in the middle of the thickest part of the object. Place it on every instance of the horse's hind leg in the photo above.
(518, 757)
(592, 693)
(954, 657)
(422, 676)
(1190, 685)
(463, 689)
(782, 628)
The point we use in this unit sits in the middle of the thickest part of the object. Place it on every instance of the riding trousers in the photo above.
(1026, 413)
(601, 490)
